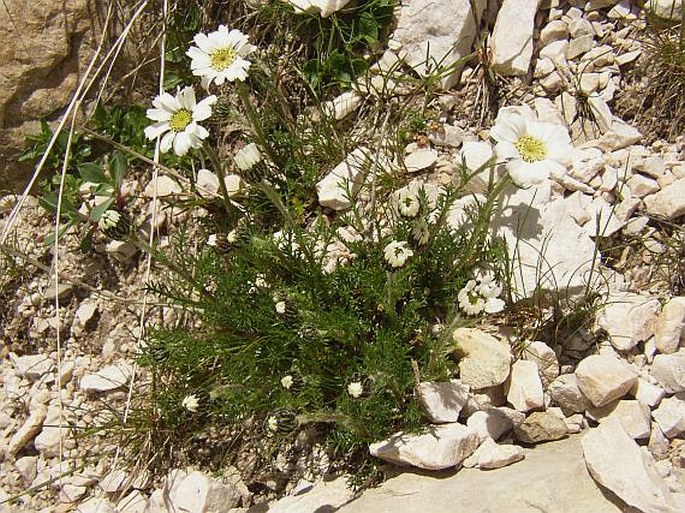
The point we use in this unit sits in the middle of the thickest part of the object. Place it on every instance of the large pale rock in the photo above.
(486, 360)
(52, 439)
(604, 378)
(633, 416)
(525, 387)
(345, 180)
(616, 462)
(512, 38)
(491, 455)
(438, 447)
(45, 47)
(540, 426)
(491, 423)
(442, 401)
(552, 478)
(668, 9)
(567, 394)
(548, 250)
(435, 34)
(669, 371)
(107, 379)
(33, 366)
(670, 415)
(323, 496)
(670, 326)
(195, 492)
(628, 319)
(669, 202)
(27, 432)
(96, 505)
(545, 358)
(647, 393)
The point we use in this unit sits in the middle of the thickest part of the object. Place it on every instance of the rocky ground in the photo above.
(613, 391)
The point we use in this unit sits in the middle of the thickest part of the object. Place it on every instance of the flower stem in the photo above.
(218, 169)
(244, 95)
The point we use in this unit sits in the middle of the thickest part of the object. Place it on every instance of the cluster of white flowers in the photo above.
(287, 382)
(109, 219)
(247, 157)
(355, 389)
(532, 150)
(218, 57)
(408, 204)
(397, 253)
(191, 403)
(481, 295)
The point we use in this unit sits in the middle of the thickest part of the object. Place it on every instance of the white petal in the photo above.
(555, 169)
(527, 174)
(202, 41)
(236, 38)
(167, 140)
(196, 53)
(203, 110)
(181, 144)
(186, 97)
(155, 130)
(201, 132)
(494, 305)
(158, 114)
(509, 129)
(506, 150)
(167, 102)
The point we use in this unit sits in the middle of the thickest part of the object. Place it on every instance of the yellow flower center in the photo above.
(180, 120)
(531, 149)
(223, 58)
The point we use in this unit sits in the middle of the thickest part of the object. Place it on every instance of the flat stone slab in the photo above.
(551, 478)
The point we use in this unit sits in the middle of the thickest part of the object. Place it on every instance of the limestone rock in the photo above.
(342, 105)
(566, 393)
(438, 447)
(668, 9)
(490, 423)
(134, 502)
(27, 432)
(628, 319)
(52, 439)
(166, 186)
(420, 159)
(633, 417)
(32, 367)
(323, 496)
(540, 426)
(669, 202)
(108, 379)
(604, 378)
(442, 401)
(545, 358)
(549, 251)
(670, 415)
(436, 33)
(45, 47)
(647, 393)
(198, 493)
(486, 360)
(616, 462)
(670, 326)
(668, 371)
(491, 455)
(512, 37)
(345, 179)
(552, 478)
(525, 387)
(96, 505)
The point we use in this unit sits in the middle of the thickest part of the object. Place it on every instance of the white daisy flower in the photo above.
(287, 382)
(177, 117)
(191, 403)
(280, 307)
(247, 157)
(469, 300)
(408, 204)
(211, 240)
(396, 253)
(220, 56)
(533, 150)
(355, 389)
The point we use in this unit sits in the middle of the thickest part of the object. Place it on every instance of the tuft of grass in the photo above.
(657, 104)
